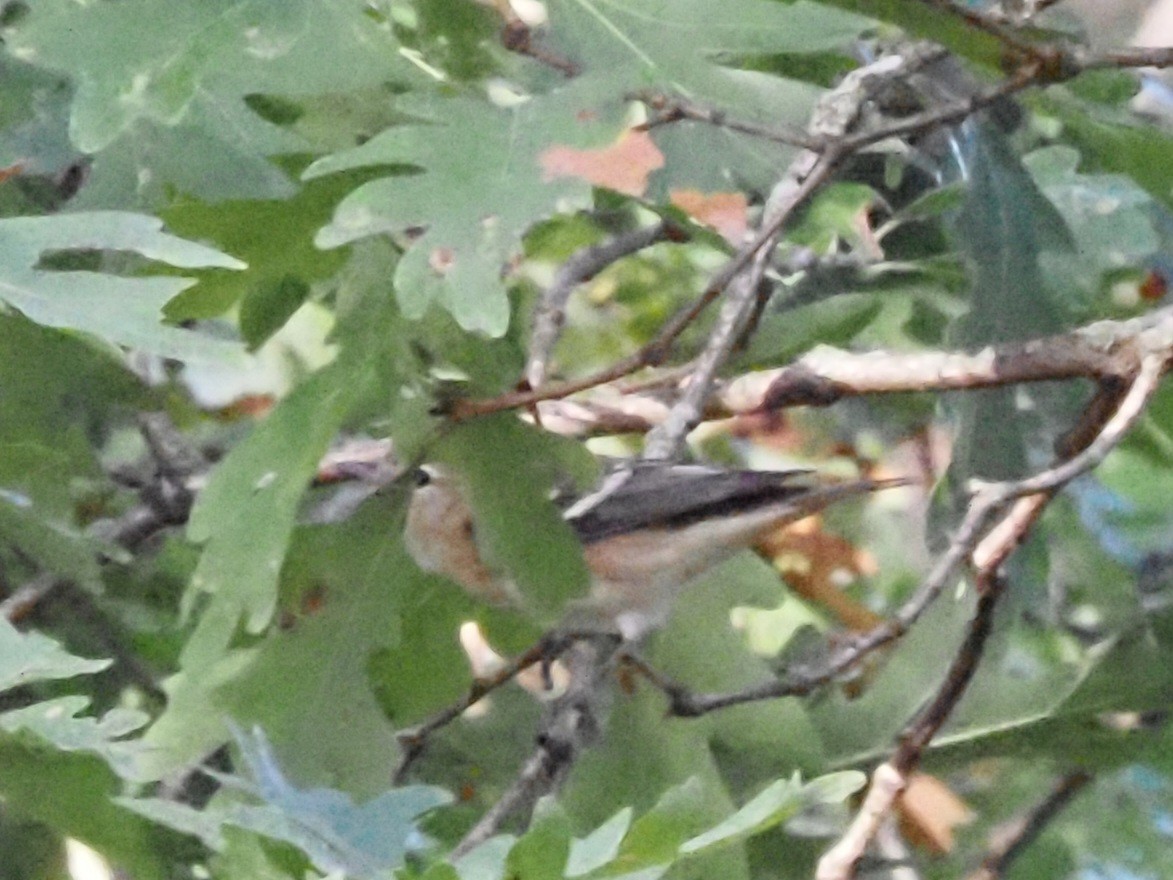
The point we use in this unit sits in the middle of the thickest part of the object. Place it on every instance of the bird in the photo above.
(647, 531)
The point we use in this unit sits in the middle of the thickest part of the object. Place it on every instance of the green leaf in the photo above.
(541, 853)
(783, 335)
(124, 311)
(1112, 221)
(74, 794)
(340, 650)
(325, 824)
(245, 515)
(1111, 140)
(275, 238)
(499, 461)
(41, 774)
(833, 215)
(457, 262)
(780, 801)
(244, 858)
(33, 119)
(599, 847)
(318, 672)
(834, 788)
(271, 304)
(26, 658)
(145, 59)
(55, 721)
(29, 657)
(656, 836)
(933, 203)
(165, 100)
(1003, 228)
(487, 861)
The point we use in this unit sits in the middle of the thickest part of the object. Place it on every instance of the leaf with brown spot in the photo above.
(724, 212)
(623, 166)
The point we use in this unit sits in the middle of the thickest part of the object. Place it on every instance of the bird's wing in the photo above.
(674, 496)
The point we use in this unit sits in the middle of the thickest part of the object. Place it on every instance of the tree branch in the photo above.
(1026, 829)
(571, 724)
(988, 557)
(414, 740)
(550, 313)
(665, 440)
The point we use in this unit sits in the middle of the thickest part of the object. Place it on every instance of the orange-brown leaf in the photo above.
(930, 812)
(817, 565)
(11, 171)
(623, 166)
(723, 211)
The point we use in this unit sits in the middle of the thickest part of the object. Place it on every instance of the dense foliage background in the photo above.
(244, 242)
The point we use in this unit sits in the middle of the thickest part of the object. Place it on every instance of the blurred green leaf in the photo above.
(656, 836)
(29, 657)
(74, 794)
(121, 310)
(325, 824)
(486, 862)
(599, 847)
(783, 335)
(245, 515)
(1112, 140)
(499, 461)
(540, 853)
(183, 75)
(774, 805)
(43, 777)
(275, 238)
(1111, 221)
(55, 721)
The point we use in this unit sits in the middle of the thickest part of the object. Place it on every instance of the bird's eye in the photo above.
(421, 477)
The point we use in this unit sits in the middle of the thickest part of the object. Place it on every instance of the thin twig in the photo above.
(582, 266)
(1027, 828)
(1132, 407)
(665, 440)
(891, 777)
(649, 355)
(802, 682)
(979, 21)
(946, 114)
(919, 733)
(414, 740)
(672, 109)
(1127, 59)
(571, 724)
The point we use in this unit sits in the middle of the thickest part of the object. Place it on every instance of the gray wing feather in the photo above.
(673, 496)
